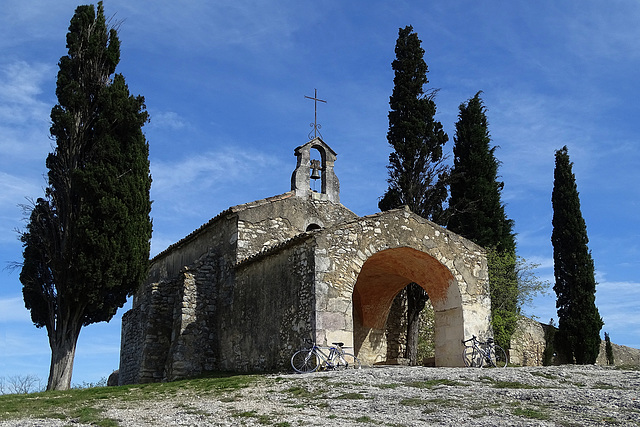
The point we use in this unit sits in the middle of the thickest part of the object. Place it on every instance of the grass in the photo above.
(434, 383)
(544, 375)
(298, 391)
(86, 405)
(605, 386)
(434, 402)
(513, 385)
(627, 367)
(260, 418)
(351, 395)
(533, 413)
(413, 401)
(391, 386)
(508, 384)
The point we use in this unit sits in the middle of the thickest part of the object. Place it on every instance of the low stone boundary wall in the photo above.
(528, 344)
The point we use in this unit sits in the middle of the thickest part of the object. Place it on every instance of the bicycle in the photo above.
(480, 353)
(310, 359)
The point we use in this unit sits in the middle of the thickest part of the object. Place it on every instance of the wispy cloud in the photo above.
(14, 188)
(228, 25)
(24, 115)
(15, 192)
(168, 120)
(12, 310)
(20, 90)
(618, 305)
(611, 33)
(208, 170)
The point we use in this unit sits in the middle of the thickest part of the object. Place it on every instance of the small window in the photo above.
(312, 227)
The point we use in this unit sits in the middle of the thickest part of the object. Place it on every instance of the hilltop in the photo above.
(385, 396)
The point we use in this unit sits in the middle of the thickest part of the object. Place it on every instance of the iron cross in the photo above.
(316, 127)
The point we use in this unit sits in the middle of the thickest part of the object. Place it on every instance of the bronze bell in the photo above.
(315, 169)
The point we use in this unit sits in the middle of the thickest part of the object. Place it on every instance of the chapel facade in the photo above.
(243, 291)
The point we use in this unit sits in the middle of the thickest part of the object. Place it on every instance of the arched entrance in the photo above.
(386, 273)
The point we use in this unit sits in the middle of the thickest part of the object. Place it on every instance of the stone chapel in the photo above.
(243, 291)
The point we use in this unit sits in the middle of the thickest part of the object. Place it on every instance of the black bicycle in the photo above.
(479, 354)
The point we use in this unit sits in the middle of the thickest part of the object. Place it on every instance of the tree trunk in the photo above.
(416, 300)
(63, 351)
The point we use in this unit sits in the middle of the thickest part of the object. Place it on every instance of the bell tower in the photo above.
(322, 169)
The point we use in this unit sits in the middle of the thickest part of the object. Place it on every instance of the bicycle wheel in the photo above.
(471, 358)
(304, 361)
(347, 361)
(498, 357)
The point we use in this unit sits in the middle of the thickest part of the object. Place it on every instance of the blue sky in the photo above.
(225, 82)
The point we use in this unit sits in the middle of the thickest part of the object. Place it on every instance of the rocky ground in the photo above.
(403, 396)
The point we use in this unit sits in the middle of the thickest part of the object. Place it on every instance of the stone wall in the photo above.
(267, 223)
(243, 292)
(169, 317)
(451, 269)
(622, 355)
(272, 311)
(193, 314)
(528, 344)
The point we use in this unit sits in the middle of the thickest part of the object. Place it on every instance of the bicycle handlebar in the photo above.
(473, 338)
(489, 340)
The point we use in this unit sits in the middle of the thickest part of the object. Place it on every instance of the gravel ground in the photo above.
(403, 396)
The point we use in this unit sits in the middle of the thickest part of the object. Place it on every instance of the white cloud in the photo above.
(24, 116)
(208, 26)
(13, 310)
(14, 188)
(167, 120)
(20, 90)
(541, 262)
(207, 170)
(604, 33)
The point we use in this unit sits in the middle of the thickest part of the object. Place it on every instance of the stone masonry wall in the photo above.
(528, 344)
(170, 311)
(272, 309)
(187, 318)
(242, 292)
(463, 309)
(264, 224)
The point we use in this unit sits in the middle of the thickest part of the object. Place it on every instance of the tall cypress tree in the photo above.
(476, 212)
(579, 323)
(417, 173)
(416, 165)
(475, 207)
(86, 246)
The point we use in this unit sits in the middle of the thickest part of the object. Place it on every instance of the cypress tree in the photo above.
(608, 348)
(476, 212)
(417, 173)
(416, 165)
(86, 246)
(475, 207)
(579, 322)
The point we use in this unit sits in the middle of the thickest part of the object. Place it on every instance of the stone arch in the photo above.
(392, 249)
(386, 273)
(313, 226)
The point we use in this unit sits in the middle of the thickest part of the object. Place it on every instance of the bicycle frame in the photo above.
(326, 359)
(315, 357)
(483, 352)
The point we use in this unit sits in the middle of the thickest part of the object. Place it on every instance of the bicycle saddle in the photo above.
(339, 344)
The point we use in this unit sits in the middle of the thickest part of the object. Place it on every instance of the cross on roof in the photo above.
(315, 125)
